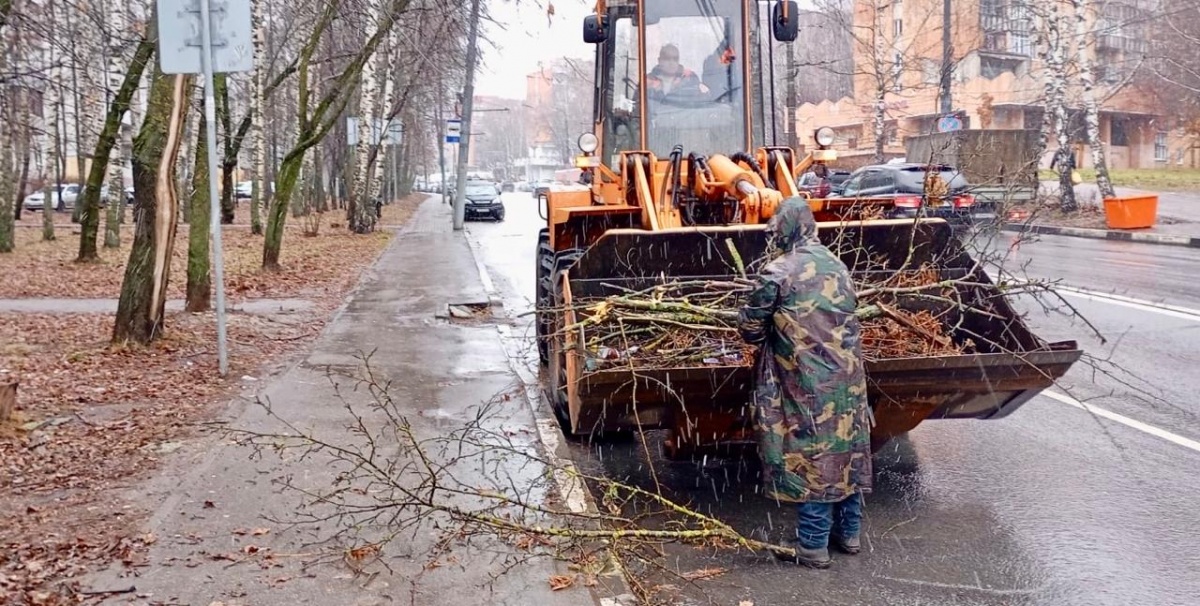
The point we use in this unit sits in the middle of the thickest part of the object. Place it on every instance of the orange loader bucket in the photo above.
(1131, 212)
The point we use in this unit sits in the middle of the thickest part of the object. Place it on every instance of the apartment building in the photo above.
(997, 78)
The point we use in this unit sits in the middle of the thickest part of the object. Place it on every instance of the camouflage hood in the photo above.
(791, 227)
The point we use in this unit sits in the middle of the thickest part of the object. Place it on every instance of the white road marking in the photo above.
(1166, 309)
(1126, 421)
(1174, 311)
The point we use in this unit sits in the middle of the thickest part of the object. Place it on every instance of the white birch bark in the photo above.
(1085, 42)
(52, 104)
(115, 11)
(258, 142)
(1056, 118)
(364, 210)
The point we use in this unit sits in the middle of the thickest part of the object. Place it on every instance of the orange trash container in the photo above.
(1131, 212)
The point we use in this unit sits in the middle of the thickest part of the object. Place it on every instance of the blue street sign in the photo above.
(453, 130)
(949, 123)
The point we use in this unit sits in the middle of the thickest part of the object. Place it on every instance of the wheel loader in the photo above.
(681, 171)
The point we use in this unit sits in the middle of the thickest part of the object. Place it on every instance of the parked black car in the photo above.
(483, 200)
(904, 185)
(822, 187)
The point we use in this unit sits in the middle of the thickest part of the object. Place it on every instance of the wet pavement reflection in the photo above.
(1051, 506)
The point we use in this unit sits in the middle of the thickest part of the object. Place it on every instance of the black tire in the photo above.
(558, 399)
(498, 215)
(542, 299)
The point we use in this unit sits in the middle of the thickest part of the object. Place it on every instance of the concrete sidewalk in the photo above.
(211, 489)
(1178, 212)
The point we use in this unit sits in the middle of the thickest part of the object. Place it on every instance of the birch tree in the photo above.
(1053, 48)
(115, 12)
(258, 98)
(362, 217)
(51, 103)
(1085, 39)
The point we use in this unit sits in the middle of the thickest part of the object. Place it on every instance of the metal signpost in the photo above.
(205, 37)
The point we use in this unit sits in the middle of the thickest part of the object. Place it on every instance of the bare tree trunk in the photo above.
(199, 286)
(51, 100)
(23, 182)
(228, 155)
(116, 161)
(363, 219)
(108, 139)
(77, 100)
(1084, 40)
(258, 99)
(1056, 118)
(6, 172)
(8, 114)
(140, 312)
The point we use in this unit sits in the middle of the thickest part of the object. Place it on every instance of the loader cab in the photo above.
(701, 101)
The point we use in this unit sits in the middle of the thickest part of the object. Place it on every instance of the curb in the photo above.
(1106, 234)
(571, 488)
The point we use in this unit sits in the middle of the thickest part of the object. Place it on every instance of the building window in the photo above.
(897, 70)
(898, 27)
(1160, 147)
(1118, 132)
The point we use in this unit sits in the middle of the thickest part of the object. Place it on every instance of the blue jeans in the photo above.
(817, 520)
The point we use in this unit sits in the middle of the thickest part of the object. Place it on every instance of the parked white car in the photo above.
(61, 200)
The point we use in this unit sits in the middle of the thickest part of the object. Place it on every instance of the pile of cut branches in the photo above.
(694, 323)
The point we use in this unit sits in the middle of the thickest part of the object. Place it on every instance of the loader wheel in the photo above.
(543, 299)
(557, 382)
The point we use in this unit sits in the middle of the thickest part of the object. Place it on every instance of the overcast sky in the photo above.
(522, 36)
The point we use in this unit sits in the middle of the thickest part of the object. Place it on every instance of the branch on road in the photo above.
(479, 479)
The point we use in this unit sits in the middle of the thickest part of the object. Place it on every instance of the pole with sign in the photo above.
(453, 130)
(205, 37)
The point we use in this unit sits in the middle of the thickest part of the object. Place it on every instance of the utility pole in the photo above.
(790, 118)
(947, 68)
(464, 152)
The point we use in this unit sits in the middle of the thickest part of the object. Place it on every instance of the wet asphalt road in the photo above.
(1050, 506)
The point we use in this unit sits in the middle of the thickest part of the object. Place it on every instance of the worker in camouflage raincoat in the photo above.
(810, 396)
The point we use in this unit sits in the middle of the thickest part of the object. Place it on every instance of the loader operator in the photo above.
(670, 79)
(810, 398)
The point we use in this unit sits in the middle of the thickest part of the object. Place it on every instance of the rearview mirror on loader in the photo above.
(785, 21)
(593, 30)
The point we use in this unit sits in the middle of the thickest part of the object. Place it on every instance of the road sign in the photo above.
(395, 132)
(207, 37)
(453, 131)
(949, 123)
(179, 36)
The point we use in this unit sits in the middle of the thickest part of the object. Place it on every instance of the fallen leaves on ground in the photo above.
(559, 582)
(92, 419)
(48, 269)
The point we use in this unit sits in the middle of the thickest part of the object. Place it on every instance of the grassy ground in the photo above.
(1154, 179)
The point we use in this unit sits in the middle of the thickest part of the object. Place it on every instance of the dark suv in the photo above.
(904, 185)
(819, 187)
(483, 200)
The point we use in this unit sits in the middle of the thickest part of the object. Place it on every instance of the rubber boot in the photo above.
(812, 558)
(849, 545)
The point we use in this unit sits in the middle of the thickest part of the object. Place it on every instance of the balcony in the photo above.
(1123, 43)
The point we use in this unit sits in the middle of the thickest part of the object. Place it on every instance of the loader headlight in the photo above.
(588, 143)
(824, 136)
